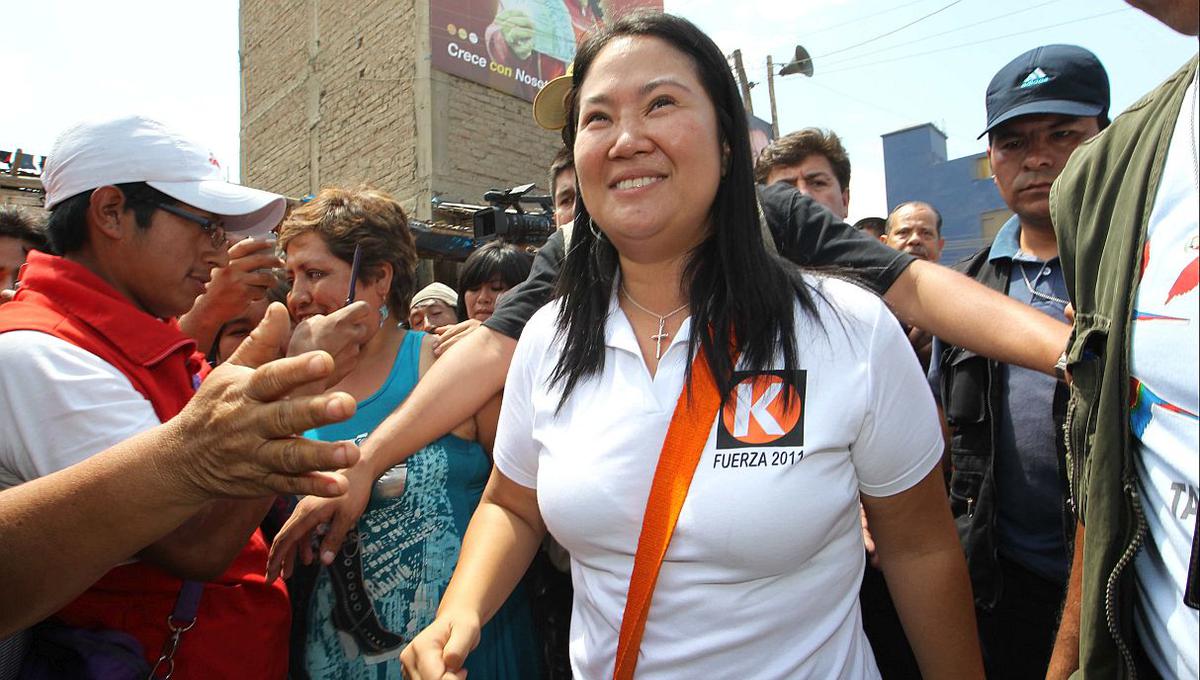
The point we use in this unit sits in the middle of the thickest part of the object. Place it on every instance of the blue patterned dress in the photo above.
(408, 548)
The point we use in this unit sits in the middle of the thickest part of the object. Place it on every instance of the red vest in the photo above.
(242, 626)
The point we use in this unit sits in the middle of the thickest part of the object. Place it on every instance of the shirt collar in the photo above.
(1007, 243)
(79, 292)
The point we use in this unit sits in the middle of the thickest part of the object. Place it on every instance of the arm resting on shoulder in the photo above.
(927, 576)
(966, 313)
(454, 389)
(1065, 659)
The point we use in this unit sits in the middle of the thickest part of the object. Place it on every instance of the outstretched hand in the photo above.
(329, 519)
(238, 434)
(341, 333)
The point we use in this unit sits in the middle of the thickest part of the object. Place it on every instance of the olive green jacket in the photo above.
(1101, 207)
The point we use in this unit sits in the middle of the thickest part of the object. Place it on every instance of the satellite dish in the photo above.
(802, 63)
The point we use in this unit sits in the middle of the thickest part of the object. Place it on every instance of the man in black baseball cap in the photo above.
(1060, 79)
(1007, 493)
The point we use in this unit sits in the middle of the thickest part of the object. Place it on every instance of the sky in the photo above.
(879, 65)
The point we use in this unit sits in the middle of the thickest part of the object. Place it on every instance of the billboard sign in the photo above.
(516, 46)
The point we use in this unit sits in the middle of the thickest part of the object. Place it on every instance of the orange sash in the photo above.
(686, 436)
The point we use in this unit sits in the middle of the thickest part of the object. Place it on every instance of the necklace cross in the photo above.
(662, 334)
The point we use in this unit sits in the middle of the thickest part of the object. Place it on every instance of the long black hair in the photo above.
(736, 288)
(497, 259)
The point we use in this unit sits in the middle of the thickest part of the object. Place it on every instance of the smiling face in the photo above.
(647, 148)
(320, 280)
(1028, 153)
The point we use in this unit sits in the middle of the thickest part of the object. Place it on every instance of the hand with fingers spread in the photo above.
(439, 651)
(342, 333)
(241, 426)
(327, 519)
(234, 439)
(448, 336)
(245, 279)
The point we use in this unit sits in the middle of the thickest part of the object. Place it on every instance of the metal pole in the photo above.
(771, 89)
(741, 76)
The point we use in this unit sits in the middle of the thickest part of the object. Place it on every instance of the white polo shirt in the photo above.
(762, 576)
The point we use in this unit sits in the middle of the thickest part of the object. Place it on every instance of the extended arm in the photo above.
(503, 536)
(1065, 659)
(456, 387)
(927, 576)
(934, 298)
(963, 312)
(462, 382)
(233, 440)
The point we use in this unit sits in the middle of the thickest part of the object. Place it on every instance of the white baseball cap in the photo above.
(137, 149)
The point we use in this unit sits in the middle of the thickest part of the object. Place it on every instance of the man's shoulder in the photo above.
(33, 358)
(975, 263)
(1126, 127)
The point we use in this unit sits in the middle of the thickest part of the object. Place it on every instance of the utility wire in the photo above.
(907, 118)
(885, 34)
(853, 57)
(973, 43)
(855, 20)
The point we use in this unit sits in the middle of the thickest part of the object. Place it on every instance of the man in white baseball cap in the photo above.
(91, 354)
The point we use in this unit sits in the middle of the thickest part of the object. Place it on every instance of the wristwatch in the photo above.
(1060, 367)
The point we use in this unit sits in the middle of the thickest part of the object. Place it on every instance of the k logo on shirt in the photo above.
(756, 415)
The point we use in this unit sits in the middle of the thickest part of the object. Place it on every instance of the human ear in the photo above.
(106, 208)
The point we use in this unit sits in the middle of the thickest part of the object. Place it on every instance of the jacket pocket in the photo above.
(1085, 366)
(964, 387)
(965, 486)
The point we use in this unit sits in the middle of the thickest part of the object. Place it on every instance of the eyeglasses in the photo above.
(214, 229)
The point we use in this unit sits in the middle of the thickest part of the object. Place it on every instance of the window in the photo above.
(983, 167)
(991, 221)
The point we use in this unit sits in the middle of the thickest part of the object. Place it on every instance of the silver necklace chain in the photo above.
(1037, 293)
(662, 321)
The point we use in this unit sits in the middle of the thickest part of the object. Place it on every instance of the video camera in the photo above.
(507, 219)
(457, 229)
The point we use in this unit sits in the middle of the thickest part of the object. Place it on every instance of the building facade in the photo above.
(916, 168)
(343, 93)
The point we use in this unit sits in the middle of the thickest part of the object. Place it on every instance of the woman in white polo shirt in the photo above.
(826, 406)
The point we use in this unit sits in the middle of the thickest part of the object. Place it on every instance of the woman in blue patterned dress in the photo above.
(386, 582)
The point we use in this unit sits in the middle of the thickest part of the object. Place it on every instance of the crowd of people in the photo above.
(707, 429)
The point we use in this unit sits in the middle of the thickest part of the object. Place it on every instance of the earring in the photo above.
(383, 314)
(599, 235)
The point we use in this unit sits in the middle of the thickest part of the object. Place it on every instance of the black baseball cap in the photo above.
(1062, 79)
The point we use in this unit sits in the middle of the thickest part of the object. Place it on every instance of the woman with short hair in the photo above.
(387, 581)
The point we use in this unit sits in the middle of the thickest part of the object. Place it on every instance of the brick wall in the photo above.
(338, 92)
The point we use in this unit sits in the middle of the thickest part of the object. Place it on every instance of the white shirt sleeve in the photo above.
(900, 440)
(61, 405)
(516, 451)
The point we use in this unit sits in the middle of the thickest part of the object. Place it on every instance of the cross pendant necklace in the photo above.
(662, 334)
